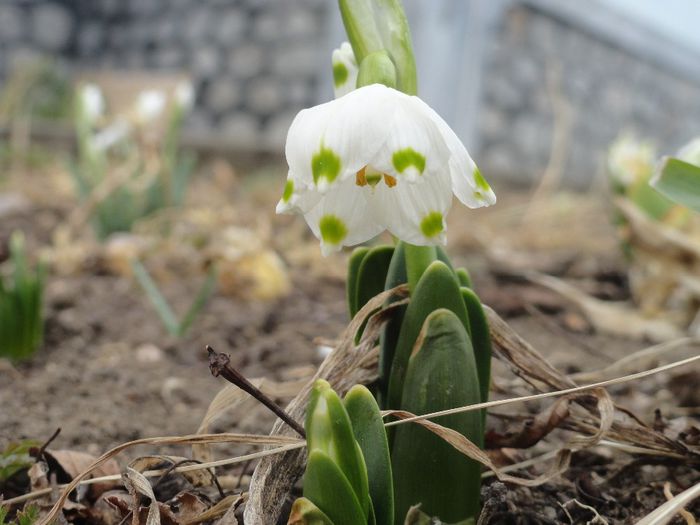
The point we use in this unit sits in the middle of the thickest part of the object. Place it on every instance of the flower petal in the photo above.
(415, 213)
(296, 198)
(345, 70)
(415, 146)
(468, 185)
(343, 217)
(333, 141)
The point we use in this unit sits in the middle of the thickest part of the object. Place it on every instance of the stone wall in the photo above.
(254, 63)
(536, 63)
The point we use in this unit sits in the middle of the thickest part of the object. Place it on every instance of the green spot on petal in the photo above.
(288, 190)
(480, 181)
(407, 157)
(325, 165)
(340, 74)
(333, 230)
(431, 225)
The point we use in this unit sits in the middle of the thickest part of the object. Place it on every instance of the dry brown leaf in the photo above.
(73, 462)
(187, 506)
(137, 484)
(111, 507)
(198, 478)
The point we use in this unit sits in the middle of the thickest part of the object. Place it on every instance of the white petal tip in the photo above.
(322, 185)
(282, 207)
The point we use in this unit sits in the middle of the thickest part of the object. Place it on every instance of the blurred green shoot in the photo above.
(175, 327)
(28, 516)
(121, 177)
(15, 458)
(21, 293)
(679, 181)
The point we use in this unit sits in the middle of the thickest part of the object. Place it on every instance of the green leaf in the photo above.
(427, 470)
(304, 512)
(159, 302)
(437, 288)
(368, 428)
(377, 68)
(21, 311)
(372, 274)
(464, 278)
(442, 256)
(206, 290)
(358, 254)
(329, 430)
(395, 276)
(329, 489)
(480, 339)
(680, 182)
(650, 201)
(172, 324)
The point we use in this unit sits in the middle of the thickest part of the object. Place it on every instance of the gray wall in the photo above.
(541, 71)
(495, 69)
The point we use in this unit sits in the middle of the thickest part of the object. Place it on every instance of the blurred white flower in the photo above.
(184, 95)
(149, 105)
(92, 102)
(630, 160)
(690, 153)
(377, 159)
(345, 70)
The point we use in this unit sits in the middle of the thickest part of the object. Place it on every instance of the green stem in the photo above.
(418, 258)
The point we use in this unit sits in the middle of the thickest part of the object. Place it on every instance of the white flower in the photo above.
(149, 105)
(184, 95)
(377, 159)
(690, 153)
(630, 160)
(92, 102)
(344, 70)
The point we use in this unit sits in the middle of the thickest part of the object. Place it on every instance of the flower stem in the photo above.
(418, 258)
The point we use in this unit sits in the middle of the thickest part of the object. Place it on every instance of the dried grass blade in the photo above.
(668, 510)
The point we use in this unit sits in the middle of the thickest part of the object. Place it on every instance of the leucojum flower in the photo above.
(376, 159)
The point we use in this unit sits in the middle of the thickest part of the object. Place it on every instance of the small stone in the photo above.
(206, 61)
(230, 27)
(197, 27)
(90, 39)
(51, 26)
(264, 96)
(148, 353)
(246, 61)
(222, 95)
(12, 23)
(298, 59)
